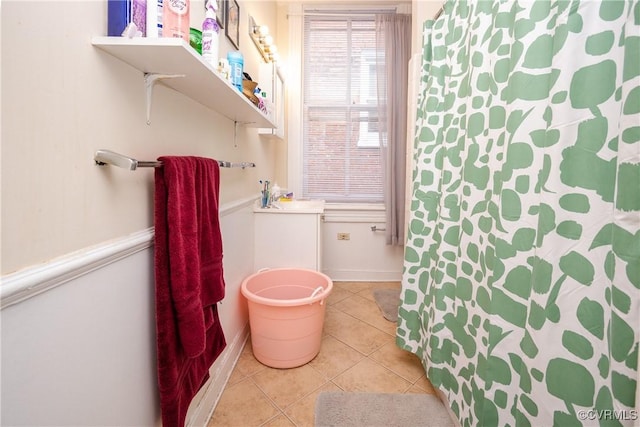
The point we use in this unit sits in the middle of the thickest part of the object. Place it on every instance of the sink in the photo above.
(293, 206)
(300, 205)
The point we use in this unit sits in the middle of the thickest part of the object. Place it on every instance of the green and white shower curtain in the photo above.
(521, 284)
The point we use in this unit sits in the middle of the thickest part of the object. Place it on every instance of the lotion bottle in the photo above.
(210, 35)
(175, 19)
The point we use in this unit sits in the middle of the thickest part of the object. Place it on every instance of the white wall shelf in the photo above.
(198, 81)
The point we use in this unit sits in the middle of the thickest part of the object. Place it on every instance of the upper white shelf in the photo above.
(200, 82)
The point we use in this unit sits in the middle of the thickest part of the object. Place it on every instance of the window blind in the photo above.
(341, 147)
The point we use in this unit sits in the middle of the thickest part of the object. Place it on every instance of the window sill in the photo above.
(354, 206)
(354, 212)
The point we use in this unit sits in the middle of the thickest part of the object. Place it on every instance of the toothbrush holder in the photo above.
(266, 199)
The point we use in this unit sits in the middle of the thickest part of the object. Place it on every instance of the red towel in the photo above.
(189, 280)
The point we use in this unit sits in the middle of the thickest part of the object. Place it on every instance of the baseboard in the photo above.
(363, 275)
(220, 373)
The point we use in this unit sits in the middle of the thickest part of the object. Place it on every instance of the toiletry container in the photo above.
(175, 19)
(210, 34)
(121, 13)
(195, 39)
(154, 18)
(224, 69)
(236, 63)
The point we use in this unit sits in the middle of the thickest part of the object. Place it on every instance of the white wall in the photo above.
(365, 256)
(422, 10)
(80, 354)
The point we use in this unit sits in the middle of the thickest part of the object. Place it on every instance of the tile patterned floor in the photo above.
(358, 353)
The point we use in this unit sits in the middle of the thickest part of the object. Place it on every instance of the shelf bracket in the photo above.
(150, 79)
(235, 134)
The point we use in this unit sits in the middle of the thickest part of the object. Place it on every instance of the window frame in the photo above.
(357, 117)
(296, 13)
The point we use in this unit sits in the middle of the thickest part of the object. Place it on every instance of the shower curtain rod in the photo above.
(107, 157)
(439, 13)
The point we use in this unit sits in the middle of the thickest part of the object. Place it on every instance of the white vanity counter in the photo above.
(292, 207)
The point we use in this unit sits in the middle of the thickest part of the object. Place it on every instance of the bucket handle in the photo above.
(316, 292)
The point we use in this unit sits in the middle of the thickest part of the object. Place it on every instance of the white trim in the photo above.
(294, 98)
(345, 212)
(33, 281)
(354, 206)
(404, 8)
(347, 10)
(357, 217)
(222, 370)
(327, 8)
(236, 205)
(24, 284)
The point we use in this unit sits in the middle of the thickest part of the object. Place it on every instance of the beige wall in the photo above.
(421, 11)
(62, 99)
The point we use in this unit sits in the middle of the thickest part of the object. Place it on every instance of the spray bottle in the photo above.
(210, 35)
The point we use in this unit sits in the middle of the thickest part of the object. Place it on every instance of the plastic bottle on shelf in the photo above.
(236, 63)
(265, 103)
(154, 18)
(223, 69)
(210, 35)
(257, 93)
(175, 19)
(261, 99)
(122, 13)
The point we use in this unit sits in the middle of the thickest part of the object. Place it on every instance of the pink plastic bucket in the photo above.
(286, 314)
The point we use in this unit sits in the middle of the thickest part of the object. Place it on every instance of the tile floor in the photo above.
(358, 353)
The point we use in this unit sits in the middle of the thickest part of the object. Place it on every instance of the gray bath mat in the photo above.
(380, 409)
(388, 300)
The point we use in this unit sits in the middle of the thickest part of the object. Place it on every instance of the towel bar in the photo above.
(107, 157)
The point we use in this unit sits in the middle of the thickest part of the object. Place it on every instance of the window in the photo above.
(341, 144)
